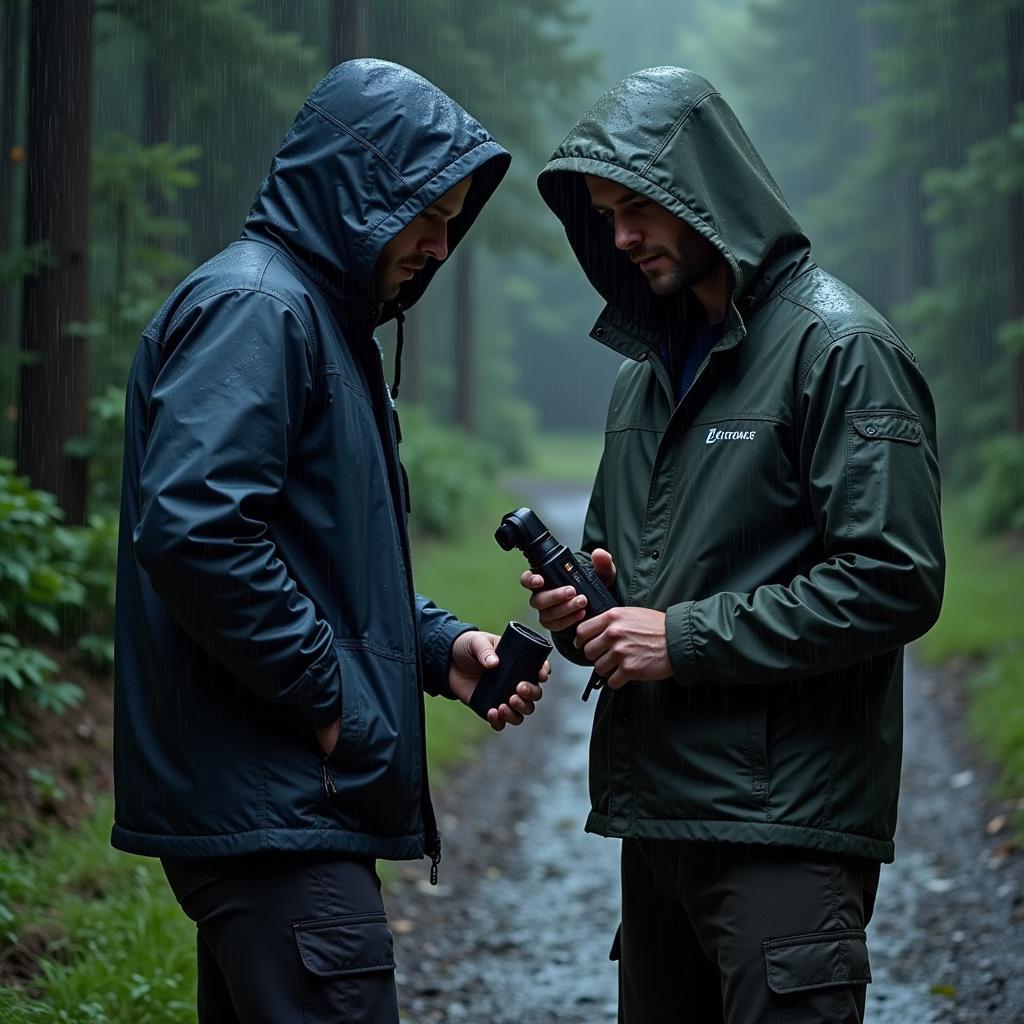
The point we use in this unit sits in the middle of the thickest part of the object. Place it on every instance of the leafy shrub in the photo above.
(57, 583)
(999, 497)
(102, 448)
(511, 427)
(448, 472)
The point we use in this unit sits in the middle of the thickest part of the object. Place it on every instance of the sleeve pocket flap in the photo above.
(882, 425)
(345, 945)
(801, 962)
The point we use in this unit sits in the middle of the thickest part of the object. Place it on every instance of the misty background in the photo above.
(895, 130)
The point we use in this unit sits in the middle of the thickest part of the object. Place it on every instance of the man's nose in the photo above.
(435, 244)
(627, 236)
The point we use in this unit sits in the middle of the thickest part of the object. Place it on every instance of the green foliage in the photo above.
(55, 582)
(113, 944)
(133, 249)
(36, 580)
(448, 474)
(984, 581)
(227, 76)
(46, 789)
(997, 717)
(102, 447)
(998, 498)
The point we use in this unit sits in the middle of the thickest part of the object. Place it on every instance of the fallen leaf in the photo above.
(996, 825)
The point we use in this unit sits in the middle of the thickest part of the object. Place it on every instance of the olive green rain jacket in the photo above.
(784, 514)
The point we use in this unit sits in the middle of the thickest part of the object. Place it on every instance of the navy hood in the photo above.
(373, 145)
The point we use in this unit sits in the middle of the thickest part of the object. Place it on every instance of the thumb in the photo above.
(483, 645)
(604, 565)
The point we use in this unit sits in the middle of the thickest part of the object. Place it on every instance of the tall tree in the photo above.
(10, 54)
(55, 378)
(1015, 211)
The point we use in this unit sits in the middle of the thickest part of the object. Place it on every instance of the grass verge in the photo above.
(472, 577)
(89, 934)
(981, 621)
(567, 458)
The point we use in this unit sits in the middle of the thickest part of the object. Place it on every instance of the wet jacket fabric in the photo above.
(784, 513)
(264, 583)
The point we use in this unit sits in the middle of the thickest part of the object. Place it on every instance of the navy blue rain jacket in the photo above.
(264, 579)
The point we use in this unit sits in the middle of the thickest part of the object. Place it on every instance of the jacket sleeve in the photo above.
(594, 536)
(868, 466)
(224, 414)
(438, 630)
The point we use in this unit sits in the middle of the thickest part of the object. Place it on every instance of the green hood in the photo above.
(666, 133)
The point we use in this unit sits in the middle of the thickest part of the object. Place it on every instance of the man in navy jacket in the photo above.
(272, 652)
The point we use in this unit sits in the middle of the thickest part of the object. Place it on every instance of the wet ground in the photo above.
(519, 929)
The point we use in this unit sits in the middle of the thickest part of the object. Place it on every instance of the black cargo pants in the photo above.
(732, 934)
(288, 938)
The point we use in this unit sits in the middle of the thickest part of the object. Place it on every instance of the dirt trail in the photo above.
(519, 929)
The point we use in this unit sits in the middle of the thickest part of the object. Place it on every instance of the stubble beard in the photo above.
(681, 274)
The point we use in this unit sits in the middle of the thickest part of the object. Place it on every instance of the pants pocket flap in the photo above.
(345, 945)
(797, 963)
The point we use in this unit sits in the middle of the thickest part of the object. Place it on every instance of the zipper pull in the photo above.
(329, 787)
(435, 859)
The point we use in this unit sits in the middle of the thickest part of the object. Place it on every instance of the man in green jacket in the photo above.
(766, 512)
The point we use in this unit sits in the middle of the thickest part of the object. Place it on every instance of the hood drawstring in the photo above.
(398, 354)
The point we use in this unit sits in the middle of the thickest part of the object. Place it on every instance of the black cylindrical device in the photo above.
(525, 530)
(521, 655)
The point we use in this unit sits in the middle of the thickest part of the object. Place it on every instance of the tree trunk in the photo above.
(347, 30)
(1015, 212)
(10, 27)
(54, 381)
(464, 405)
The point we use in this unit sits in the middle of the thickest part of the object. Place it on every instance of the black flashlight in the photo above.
(553, 561)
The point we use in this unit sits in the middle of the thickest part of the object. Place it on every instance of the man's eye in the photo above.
(639, 204)
(429, 216)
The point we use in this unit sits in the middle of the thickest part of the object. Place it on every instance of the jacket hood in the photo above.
(373, 145)
(666, 133)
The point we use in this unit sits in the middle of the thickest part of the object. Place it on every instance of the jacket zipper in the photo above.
(432, 844)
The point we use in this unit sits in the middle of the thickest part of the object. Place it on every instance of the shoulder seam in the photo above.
(258, 290)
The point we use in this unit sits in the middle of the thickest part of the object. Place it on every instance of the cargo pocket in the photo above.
(884, 461)
(349, 968)
(821, 960)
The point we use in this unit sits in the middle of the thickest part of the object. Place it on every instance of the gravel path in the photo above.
(518, 931)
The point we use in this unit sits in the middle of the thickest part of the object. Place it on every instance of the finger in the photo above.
(545, 674)
(524, 707)
(531, 581)
(509, 716)
(616, 680)
(483, 649)
(556, 623)
(544, 599)
(597, 648)
(530, 691)
(591, 628)
(604, 564)
(494, 720)
(606, 665)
